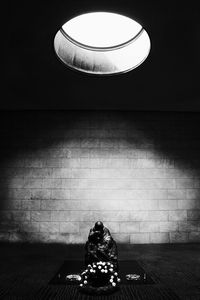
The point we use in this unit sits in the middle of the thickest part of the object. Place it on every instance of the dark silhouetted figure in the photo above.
(100, 245)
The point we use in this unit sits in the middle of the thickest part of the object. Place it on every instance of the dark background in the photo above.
(35, 79)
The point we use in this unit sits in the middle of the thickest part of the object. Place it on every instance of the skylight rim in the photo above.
(110, 48)
(99, 74)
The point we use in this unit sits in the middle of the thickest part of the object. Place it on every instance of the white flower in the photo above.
(81, 284)
(118, 279)
(102, 270)
(99, 267)
(106, 271)
(85, 281)
(115, 273)
(111, 280)
(111, 269)
(113, 284)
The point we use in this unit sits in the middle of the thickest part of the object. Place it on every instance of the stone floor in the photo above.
(24, 268)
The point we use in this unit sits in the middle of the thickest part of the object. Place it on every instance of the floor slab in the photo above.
(26, 268)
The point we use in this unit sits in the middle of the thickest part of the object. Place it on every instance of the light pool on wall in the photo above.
(102, 43)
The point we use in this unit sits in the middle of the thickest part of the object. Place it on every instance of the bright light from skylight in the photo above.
(102, 43)
(102, 29)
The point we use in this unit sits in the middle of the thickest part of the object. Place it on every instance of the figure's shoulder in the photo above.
(106, 231)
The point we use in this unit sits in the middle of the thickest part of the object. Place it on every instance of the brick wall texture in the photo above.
(137, 172)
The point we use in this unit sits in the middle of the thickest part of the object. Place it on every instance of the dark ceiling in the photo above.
(36, 79)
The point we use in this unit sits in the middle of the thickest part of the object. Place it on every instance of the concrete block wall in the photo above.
(137, 172)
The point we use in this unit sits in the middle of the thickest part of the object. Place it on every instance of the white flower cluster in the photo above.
(98, 268)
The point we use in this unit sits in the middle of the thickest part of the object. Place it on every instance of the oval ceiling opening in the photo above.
(102, 43)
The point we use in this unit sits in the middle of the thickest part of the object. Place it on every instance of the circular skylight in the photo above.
(101, 29)
(102, 43)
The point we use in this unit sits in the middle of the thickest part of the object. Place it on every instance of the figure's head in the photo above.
(98, 226)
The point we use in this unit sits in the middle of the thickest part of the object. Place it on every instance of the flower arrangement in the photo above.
(99, 277)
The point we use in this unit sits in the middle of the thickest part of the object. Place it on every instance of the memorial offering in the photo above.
(100, 277)
(73, 277)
